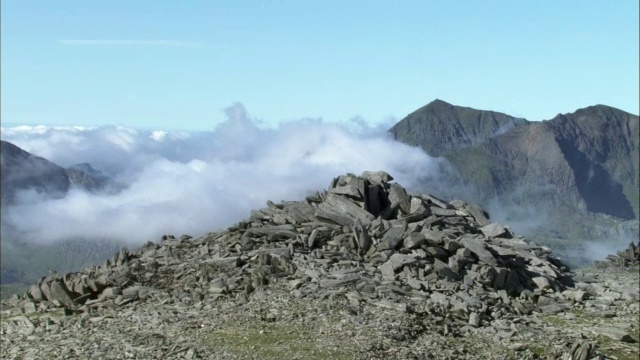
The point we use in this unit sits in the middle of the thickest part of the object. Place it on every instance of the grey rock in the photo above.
(474, 319)
(494, 230)
(338, 204)
(391, 239)
(399, 260)
(580, 350)
(378, 177)
(433, 237)
(614, 334)
(478, 214)
(552, 309)
(542, 282)
(29, 307)
(347, 190)
(438, 211)
(61, 294)
(399, 199)
(35, 293)
(414, 240)
(311, 243)
(46, 290)
(438, 202)
(400, 307)
(437, 252)
(478, 248)
(361, 237)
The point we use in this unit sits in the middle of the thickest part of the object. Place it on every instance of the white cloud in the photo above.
(201, 181)
(128, 42)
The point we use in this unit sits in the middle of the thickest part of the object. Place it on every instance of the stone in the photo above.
(399, 260)
(414, 240)
(552, 309)
(495, 230)
(478, 214)
(340, 205)
(438, 202)
(438, 211)
(399, 199)
(347, 190)
(391, 239)
(400, 307)
(477, 247)
(276, 231)
(29, 307)
(378, 177)
(46, 290)
(474, 319)
(35, 293)
(110, 292)
(580, 350)
(433, 237)
(542, 282)
(437, 252)
(338, 283)
(614, 334)
(311, 242)
(361, 237)
(61, 294)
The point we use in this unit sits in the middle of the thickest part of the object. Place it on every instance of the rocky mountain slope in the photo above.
(441, 128)
(587, 159)
(362, 270)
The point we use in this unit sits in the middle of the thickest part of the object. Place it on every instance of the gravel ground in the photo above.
(284, 327)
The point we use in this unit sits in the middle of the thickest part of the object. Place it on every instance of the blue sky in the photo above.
(176, 65)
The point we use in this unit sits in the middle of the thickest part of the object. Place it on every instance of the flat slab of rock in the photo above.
(494, 230)
(338, 204)
(347, 190)
(378, 177)
(477, 247)
(399, 260)
(613, 334)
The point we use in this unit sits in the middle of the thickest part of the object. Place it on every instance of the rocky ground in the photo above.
(363, 270)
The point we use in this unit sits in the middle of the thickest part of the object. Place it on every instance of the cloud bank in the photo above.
(195, 182)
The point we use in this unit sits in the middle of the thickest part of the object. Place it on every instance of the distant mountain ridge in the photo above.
(441, 128)
(21, 170)
(587, 159)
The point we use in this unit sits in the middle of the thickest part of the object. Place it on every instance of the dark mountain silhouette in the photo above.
(441, 128)
(21, 170)
(22, 260)
(587, 160)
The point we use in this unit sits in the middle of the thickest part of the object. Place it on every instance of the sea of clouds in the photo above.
(196, 182)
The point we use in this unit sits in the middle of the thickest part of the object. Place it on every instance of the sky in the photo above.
(178, 65)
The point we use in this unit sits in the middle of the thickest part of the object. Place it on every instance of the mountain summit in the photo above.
(441, 128)
(587, 159)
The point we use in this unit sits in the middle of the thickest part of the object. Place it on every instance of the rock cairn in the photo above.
(365, 239)
(625, 258)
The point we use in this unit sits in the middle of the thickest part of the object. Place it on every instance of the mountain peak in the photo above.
(441, 128)
(438, 102)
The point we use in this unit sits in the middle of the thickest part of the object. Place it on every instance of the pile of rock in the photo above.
(625, 258)
(364, 239)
